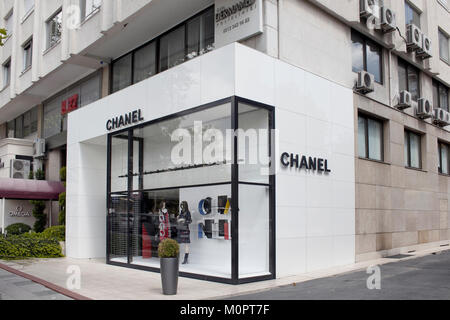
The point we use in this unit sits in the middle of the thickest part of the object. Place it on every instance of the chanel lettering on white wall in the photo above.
(127, 119)
(290, 160)
(237, 20)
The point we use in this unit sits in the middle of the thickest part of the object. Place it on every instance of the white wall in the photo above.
(315, 214)
(11, 206)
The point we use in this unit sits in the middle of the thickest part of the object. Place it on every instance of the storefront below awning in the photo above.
(30, 189)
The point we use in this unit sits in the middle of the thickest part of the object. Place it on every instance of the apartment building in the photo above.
(357, 92)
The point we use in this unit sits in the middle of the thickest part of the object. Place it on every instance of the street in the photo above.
(13, 287)
(425, 278)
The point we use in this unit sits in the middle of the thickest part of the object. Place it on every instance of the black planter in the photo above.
(169, 275)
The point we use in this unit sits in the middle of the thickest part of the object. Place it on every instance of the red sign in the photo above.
(69, 104)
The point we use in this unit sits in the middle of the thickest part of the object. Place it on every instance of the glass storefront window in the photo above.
(176, 178)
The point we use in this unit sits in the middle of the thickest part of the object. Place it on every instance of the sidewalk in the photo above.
(100, 281)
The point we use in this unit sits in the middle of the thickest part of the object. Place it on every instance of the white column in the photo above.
(37, 40)
(2, 215)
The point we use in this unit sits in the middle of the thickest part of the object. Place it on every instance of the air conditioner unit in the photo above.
(20, 169)
(39, 148)
(388, 20)
(365, 82)
(439, 117)
(425, 51)
(413, 37)
(424, 108)
(404, 101)
(366, 8)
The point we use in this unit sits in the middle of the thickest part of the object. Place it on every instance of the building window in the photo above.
(409, 79)
(28, 5)
(144, 62)
(172, 49)
(72, 98)
(88, 7)
(156, 190)
(370, 138)
(24, 125)
(9, 23)
(122, 73)
(412, 15)
(366, 55)
(440, 96)
(54, 29)
(27, 55)
(186, 41)
(413, 150)
(7, 73)
(444, 46)
(443, 151)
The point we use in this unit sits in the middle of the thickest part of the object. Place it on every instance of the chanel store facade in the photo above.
(173, 156)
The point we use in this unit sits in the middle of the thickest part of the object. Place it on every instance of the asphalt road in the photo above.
(13, 287)
(425, 278)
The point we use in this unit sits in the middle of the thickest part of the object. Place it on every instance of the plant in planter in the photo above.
(169, 251)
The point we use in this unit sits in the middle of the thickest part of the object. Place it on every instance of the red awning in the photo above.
(30, 189)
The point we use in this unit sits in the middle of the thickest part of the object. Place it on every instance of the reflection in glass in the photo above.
(362, 137)
(375, 139)
(444, 159)
(145, 62)
(172, 49)
(374, 61)
(122, 73)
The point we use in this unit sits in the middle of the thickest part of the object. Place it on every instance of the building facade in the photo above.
(357, 93)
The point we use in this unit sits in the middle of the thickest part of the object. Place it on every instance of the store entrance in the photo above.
(219, 210)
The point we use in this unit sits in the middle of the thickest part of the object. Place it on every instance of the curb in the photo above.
(44, 283)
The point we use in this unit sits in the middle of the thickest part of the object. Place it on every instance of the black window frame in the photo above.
(235, 182)
(365, 42)
(157, 40)
(437, 86)
(446, 145)
(409, 67)
(408, 134)
(366, 136)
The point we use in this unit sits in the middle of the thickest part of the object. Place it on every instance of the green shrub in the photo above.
(168, 248)
(62, 206)
(39, 174)
(62, 174)
(29, 246)
(58, 233)
(17, 229)
(39, 215)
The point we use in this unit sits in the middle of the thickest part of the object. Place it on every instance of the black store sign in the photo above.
(302, 162)
(125, 120)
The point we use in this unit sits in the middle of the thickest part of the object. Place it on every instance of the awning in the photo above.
(30, 189)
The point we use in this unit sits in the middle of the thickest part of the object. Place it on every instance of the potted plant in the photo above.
(168, 251)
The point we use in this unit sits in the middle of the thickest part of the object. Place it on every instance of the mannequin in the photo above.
(164, 223)
(184, 234)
